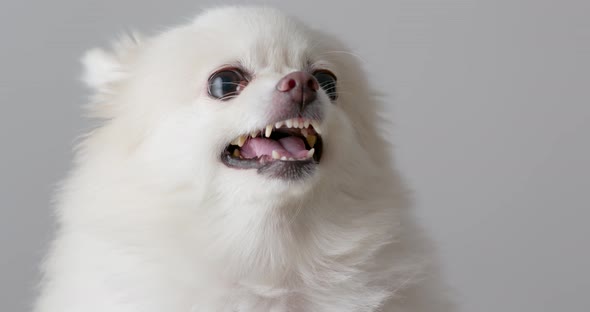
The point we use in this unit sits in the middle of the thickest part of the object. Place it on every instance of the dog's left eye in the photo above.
(227, 83)
(327, 81)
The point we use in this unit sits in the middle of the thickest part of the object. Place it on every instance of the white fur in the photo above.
(151, 221)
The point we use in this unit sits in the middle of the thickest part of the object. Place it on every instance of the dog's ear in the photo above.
(104, 69)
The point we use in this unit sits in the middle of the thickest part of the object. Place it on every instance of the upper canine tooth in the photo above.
(241, 140)
(310, 153)
(316, 126)
(289, 123)
(268, 131)
(311, 139)
(279, 124)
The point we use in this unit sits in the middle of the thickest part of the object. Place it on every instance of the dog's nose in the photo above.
(300, 86)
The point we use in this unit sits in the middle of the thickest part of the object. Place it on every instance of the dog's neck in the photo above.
(327, 228)
(327, 242)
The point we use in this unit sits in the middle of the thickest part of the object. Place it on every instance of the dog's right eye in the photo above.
(226, 84)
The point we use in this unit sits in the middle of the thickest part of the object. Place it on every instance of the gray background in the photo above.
(491, 107)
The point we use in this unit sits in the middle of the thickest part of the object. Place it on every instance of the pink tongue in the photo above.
(295, 146)
(290, 147)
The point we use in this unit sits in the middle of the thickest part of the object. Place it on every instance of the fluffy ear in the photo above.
(103, 69)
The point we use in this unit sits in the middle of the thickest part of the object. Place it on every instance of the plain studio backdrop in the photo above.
(491, 108)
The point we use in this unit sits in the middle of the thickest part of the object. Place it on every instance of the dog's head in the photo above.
(244, 101)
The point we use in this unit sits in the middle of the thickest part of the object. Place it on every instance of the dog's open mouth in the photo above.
(286, 149)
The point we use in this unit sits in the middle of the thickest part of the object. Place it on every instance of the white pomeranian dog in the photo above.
(238, 167)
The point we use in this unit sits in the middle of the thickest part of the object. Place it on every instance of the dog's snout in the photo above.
(300, 86)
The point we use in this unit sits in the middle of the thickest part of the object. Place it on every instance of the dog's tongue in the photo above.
(290, 147)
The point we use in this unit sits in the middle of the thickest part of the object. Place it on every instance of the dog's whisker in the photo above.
(349, 53)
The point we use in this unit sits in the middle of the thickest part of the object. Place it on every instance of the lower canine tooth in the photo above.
(236, 153)
(310, 153)
(254, 134)
(268, 131)
(275, 155)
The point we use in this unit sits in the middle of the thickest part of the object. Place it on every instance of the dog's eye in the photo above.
(327, 81)
(226, 84)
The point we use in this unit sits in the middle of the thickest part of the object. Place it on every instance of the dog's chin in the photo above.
(277, 169)
(265, 187)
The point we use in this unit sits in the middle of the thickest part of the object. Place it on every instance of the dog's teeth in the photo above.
(236, 153)
(254, 133)
(289, 123)
(291, 159)
(268, 131)
(275, 155)
(284, 158)
(241, 140)
(310, 153)
(316, 126)
(295, 123)
(311, 139)
(304, 132)
(306, 123)
(279, 124)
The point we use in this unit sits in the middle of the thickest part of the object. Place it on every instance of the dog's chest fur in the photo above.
(286, 261)
(299, 262)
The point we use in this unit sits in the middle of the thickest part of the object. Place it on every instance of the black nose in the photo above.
(300, 86)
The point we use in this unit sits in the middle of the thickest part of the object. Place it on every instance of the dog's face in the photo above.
(243, 101)
(267, 88)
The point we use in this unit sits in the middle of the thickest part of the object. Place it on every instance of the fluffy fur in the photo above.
(150, 220)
